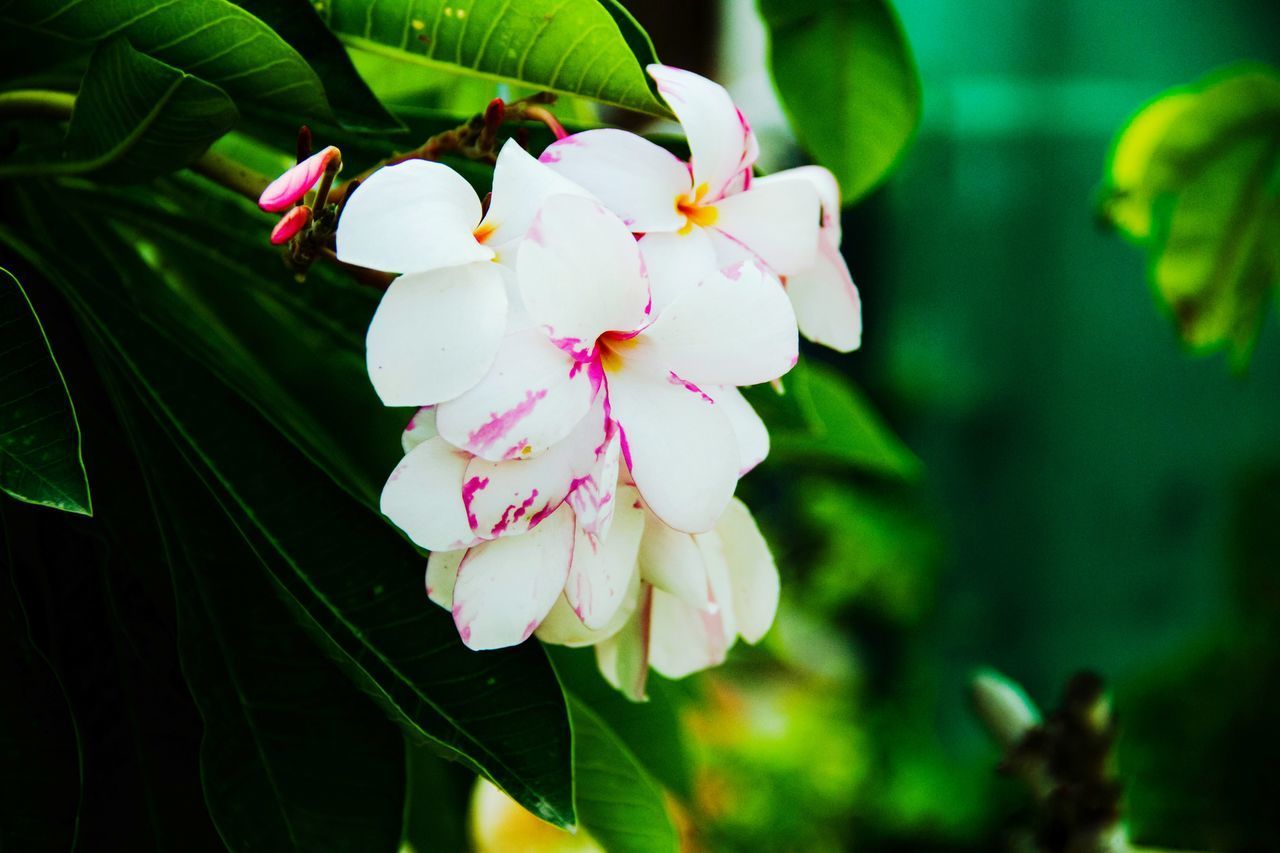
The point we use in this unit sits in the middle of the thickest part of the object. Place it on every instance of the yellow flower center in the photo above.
(613, 348)
(694, 211)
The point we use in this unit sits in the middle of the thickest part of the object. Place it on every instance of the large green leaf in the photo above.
(574, 47)
(847, 80)
(214, 39)
(1194, 177)
(40, 458)
(349, 577)
(293, 757)
(136, 118)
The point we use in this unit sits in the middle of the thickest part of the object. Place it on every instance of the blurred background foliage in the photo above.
(1029, 465)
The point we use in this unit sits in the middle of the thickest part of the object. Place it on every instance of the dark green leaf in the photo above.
(1194, 178)
(214, 39)
(353, 102)
(574, 47)
(136, 118)
(848, 82)
(40, 458)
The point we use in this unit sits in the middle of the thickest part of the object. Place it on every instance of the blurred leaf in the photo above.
(135, 119)
(822, 417)
(40, 458)
(346, 574)
(293, 756)
(353, 102)
(1194, 177)
(215, 39)
(618, 802)
(573, 47)
(845, 74)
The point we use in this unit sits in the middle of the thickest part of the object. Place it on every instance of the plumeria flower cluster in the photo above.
(574, 347)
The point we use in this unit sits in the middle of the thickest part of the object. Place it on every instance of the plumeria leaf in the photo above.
(573, 47)
(293, 756)
(1194, 178)
(352, 581)
(823, 417)
(847, 81)
(40, 458)
(618, 801)
(135, 118)
(215, 39)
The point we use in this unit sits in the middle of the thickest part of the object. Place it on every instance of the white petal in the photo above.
(507, 498)
(826, 301)
(684, 639)
(824, 183)
(602, 568)
(736, 327)
(532, 397)
(562, 627)
(520, 187)
(749, 430)
(753, 576)
(678, 446)
(435, 334)
(639, 181)
(721, 143)
(676, 262)
(671, 561)
(778, 222)
(623, 659)
(416, 216)
(420, 427)
(442, 573)
(581, 274)
(506, 587)
(423, 496)
(595, 494)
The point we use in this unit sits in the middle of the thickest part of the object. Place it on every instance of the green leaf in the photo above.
(135, 119)
(40, 460)
(214, 39)
(618, 802)
(1194, 178)
(354, 103)
(572, 47)
(293, 757)
(848, 83)
(822, 417)
(353, 581)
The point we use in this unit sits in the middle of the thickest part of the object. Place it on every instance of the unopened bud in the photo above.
(290, 224)
(494, 114)
(1003, 707)
(295, 183)
(304, 143)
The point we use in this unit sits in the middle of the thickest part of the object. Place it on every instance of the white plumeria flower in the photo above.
(711, 212)
(439, 325)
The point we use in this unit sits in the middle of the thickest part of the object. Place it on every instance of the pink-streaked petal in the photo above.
(753, 576)
(435, 335)
(736, 327)
(639, 181)
(749, 430)
(581, 274)
(532, 397)
(420, 427)
(672, 562)
(594, 495)
(824, 183)
(290, 224)
(602, 568)
(416, 216)
(442, 574)
(506, 587)
(675, 263)
(508, 498)
(562, 627)
(778, 222)
(520, 187)
(623, 659)
(290, 187)
(423, 496)
(678, 446)
(826, 301)
(721, 143)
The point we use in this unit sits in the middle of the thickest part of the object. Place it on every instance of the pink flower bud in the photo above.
(295, 183)
(290, 224)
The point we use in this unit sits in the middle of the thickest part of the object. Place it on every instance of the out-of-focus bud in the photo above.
(304, 143)
(494, 114)
(290, 187)
(498, 825)
(1004, 707)
(290, 224)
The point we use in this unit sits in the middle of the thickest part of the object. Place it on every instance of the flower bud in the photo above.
(290, 187)
(290, 224)
(1003, 707)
